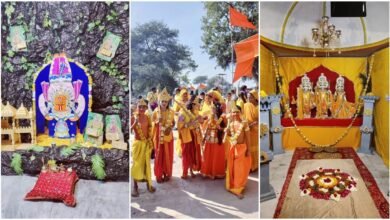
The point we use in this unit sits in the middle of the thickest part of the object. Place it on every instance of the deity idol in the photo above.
(341, 108)
(305, 98)
(61, 102)
(323, 97)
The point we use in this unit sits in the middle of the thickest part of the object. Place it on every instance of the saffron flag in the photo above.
(202, 86)
(246, 52)
(239, 20)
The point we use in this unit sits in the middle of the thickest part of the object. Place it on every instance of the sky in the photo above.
(185, 17)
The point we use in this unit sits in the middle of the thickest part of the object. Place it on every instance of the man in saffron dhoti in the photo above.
(190, 137)
(239, 158)
(141, 148)
(163, 122)
(251, 115)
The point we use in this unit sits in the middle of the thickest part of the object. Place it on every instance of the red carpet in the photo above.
(346, 153)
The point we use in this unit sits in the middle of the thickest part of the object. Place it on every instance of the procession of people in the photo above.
(217, 136)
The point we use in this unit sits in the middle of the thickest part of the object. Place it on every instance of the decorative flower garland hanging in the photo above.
(327, 184)
(290, 115)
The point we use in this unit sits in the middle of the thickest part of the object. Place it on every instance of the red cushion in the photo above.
(55, 186)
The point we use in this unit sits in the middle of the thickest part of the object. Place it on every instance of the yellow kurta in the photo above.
(251, 114)
(206, 109)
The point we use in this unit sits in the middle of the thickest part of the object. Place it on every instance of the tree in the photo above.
(199, 79)
(157, 58)
(217, 33)
(217, 81)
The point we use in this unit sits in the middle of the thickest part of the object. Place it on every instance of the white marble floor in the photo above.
(280, 164)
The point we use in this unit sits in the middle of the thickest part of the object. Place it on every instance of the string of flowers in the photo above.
(235, 135)
(165, 124)
(290, 115)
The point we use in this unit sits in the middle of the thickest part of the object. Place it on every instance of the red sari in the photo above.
(214, 161)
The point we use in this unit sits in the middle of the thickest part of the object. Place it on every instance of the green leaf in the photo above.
(113, 13)
(23, 60)
(36, 148)
(101, 27)
(124, 83)
(32, 158)
(98, 166)
(9, 9)
(10, 53)
(91, 26)
(114, 99)
(11, 68)
(68, 151)
(83, 155)
(16, 163)
(126, 7)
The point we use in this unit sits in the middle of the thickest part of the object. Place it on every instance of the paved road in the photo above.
(195, 198)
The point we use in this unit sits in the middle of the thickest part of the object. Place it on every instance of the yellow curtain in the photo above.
(292, 67)
(267, 76)
(380, 87)
(291, 139)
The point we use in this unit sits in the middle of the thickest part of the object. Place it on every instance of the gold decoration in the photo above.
(141, 102)
(254, 93)
(263, 157)
(263, 129)
(367, 112)
(325, 155)
(275, 111)
(164, 95)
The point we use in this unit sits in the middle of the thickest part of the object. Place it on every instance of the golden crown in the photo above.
(141, 102)
(164, 95)
(234, 109)
(254, 93)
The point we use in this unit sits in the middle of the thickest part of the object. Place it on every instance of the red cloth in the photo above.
(55, 186)
(313, 75)
(286, 122)
(246, 52)
(239, 19)
(197, 154)
(163, 161)
(214, 161)
(187, 156)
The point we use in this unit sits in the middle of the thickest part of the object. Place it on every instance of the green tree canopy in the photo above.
(217, 33)
(157, 58)
(217, 81)
(200, 79)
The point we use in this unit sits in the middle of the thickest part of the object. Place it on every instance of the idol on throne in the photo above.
(321, 103)
(341, 108)
(323, 97)
(62, 98)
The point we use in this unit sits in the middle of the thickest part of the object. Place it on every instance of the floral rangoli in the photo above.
(327, 184)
